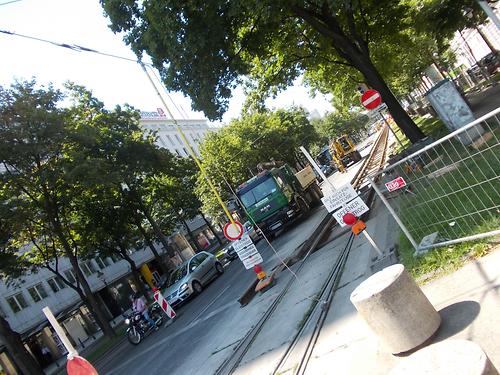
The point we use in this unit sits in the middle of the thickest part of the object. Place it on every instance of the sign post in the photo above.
(358, 227)
(247, 252)
(75, 365)
(372, 100)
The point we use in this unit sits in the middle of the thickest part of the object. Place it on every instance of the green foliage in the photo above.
(205, 49)
(61, 191)
(234, 151)
(334, 125)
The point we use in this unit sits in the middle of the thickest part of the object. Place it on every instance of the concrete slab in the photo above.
(269, 345)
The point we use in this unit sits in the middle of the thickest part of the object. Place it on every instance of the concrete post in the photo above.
(457, 357)
(395, 308)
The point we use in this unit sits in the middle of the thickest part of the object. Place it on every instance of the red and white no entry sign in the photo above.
(371, 99)
(233, 231)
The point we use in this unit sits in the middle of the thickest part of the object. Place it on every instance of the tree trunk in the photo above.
(133, 268)
(150, 244)
(191, 236)
(20, 355)
(402, 119)
(486, 40)
(209, 225)
(156, 229)
(354, 50)
(94, 306)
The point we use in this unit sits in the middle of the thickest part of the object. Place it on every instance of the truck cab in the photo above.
(275, 198)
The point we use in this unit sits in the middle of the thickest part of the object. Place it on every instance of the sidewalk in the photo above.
(468, 301)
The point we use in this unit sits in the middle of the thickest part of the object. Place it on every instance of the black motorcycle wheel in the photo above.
(156, 315)
(134, 337)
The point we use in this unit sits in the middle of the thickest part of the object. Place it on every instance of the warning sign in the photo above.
(356, 207)
(247, 252)
(341, 196)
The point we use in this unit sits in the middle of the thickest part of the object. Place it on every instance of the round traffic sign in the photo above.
(234, 231)
(371, 99)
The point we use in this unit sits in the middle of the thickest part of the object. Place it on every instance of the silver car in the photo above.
(191, 276)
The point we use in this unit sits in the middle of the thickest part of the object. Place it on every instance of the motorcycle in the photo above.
(138, 327)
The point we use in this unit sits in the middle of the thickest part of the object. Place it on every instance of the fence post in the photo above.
(394, 214)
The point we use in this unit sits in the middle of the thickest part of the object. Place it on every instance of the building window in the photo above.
(170, 140)
(17, 302)
(56, 284)
(70, 276)
(178, 139)
(185, 151)
(178, 153)
(161, 141)
(37, 292)
(87, 268)
(102, 262)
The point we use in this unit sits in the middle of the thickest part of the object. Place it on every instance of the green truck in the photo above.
(277, 197)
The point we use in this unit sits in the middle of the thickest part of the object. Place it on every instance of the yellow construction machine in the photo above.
(344, 153)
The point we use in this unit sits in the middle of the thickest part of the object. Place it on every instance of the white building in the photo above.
(168, 135)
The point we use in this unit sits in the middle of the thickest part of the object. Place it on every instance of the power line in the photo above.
(9, 2)
(73, 47)
(78, 48)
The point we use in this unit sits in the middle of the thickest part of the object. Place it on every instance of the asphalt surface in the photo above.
(169, 348)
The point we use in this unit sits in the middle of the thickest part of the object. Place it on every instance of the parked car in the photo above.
(190, 277)
(491, 62)
(229, 252)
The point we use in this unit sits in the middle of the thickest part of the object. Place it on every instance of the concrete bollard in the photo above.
(457, 357)
(396, 309)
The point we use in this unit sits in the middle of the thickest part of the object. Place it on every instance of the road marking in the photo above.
(210, 304)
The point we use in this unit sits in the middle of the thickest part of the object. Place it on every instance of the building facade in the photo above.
(167, 134)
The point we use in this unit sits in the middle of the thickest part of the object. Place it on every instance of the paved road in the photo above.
(202, 318)
(197, 314)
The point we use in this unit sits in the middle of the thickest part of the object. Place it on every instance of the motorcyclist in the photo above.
(140, 307)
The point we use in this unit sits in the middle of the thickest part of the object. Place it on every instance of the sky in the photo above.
(112, 81)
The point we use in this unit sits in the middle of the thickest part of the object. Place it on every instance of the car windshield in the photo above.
(178, 274)
(259, 192)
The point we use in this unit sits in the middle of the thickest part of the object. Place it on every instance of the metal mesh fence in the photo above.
(449, 191)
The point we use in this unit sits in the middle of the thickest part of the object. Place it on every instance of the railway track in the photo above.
(375, 160)
(298, 352)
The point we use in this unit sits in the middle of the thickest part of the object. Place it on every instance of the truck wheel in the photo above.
(303, 206)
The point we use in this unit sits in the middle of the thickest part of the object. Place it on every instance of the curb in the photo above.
(310, 244)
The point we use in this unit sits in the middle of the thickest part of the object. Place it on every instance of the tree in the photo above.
(334, 125)
(205, 49)
(22, 358)
(115, 155)
(35, 140)
(10, 269)
(179, 192)
(232, 154)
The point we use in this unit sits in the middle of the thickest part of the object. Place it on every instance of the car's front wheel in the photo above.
(197, 287)
(219, 268)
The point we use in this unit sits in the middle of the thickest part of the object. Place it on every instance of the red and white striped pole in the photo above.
(167, 309)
